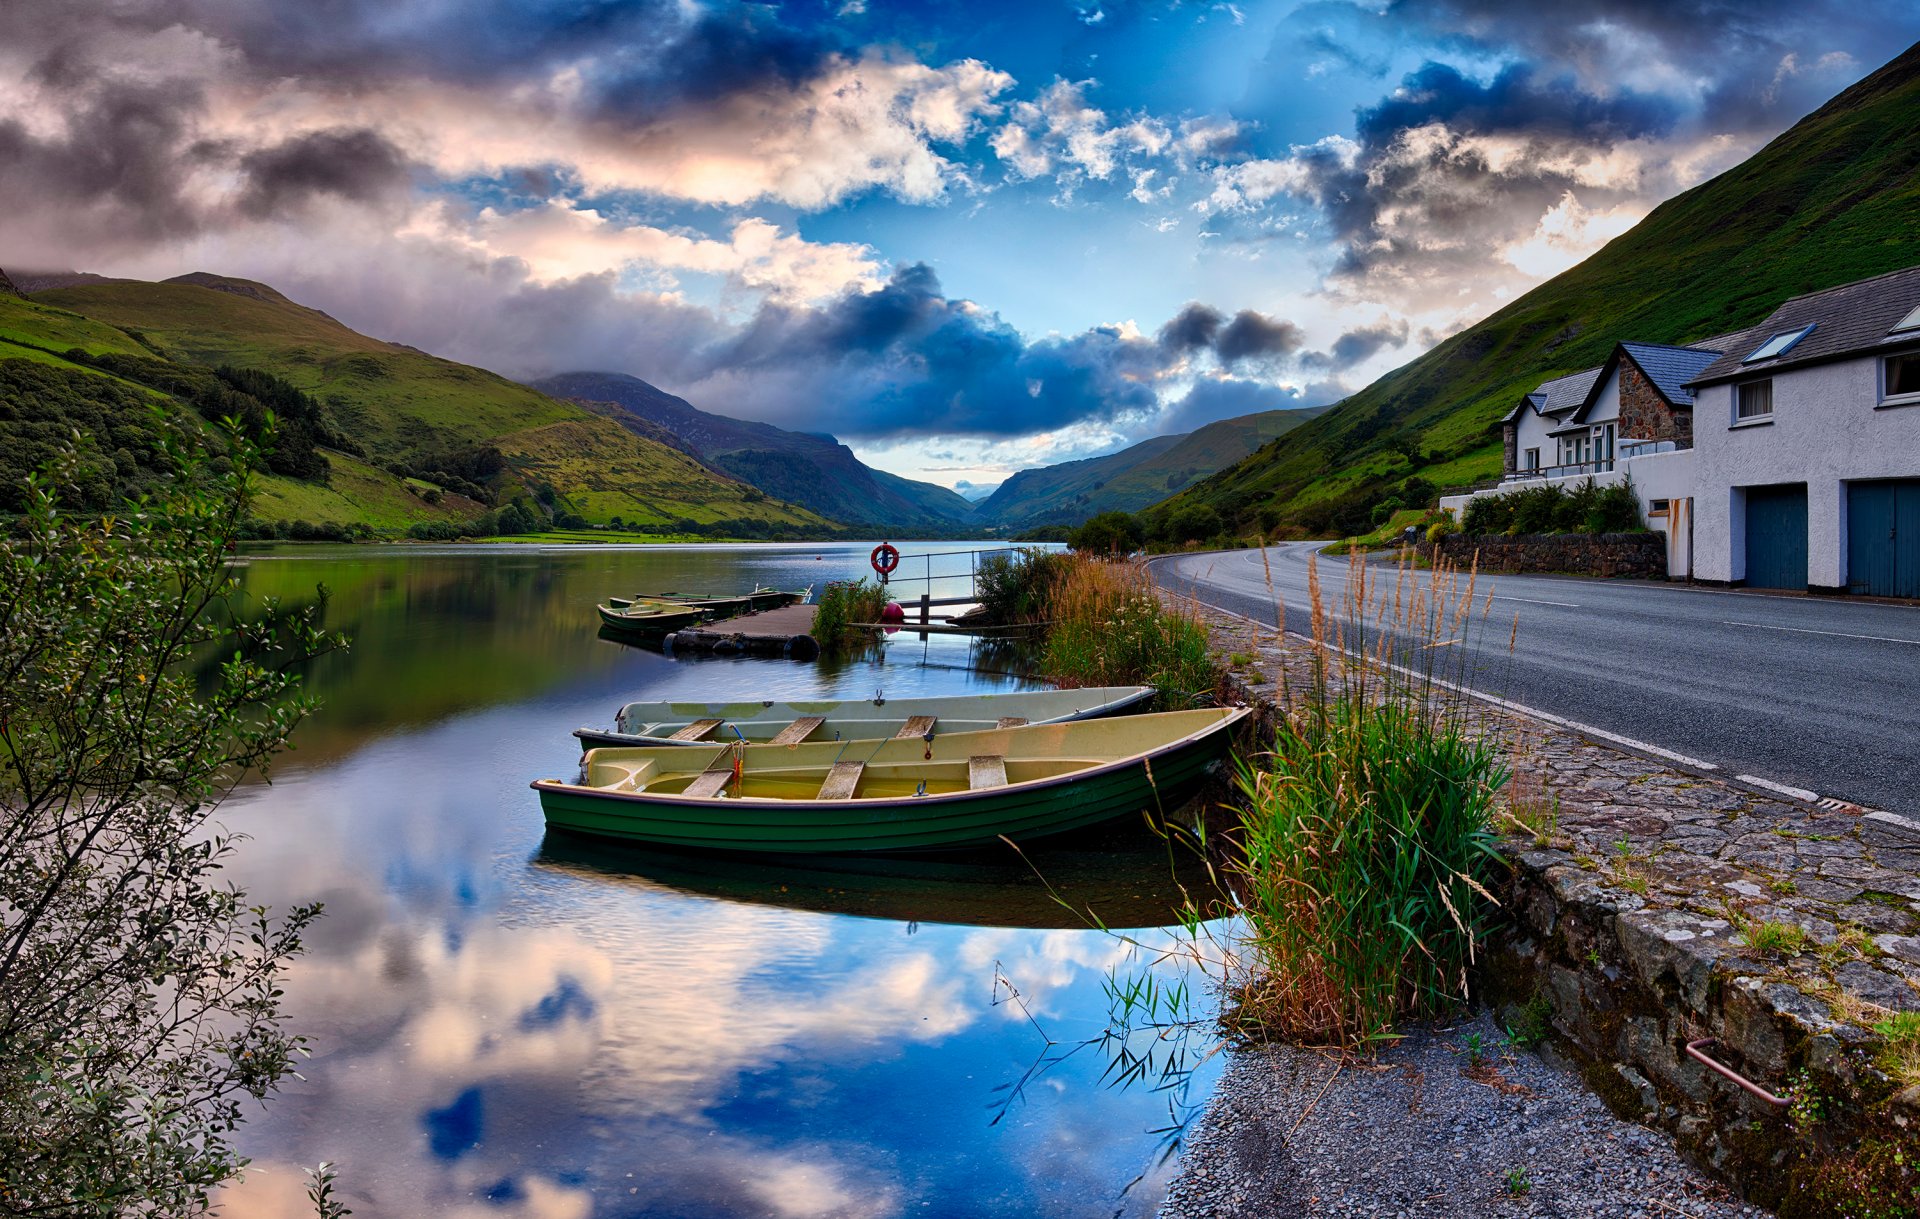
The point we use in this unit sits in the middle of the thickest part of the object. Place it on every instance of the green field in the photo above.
(1834, 199)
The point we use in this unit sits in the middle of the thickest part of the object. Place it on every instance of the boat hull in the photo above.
(628, 622)
(1155, 782)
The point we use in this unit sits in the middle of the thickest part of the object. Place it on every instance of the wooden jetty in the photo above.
(774, 632)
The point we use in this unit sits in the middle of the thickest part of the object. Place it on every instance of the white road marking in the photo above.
(1798, 793)
(1534, 601)
(1522, 708)
(1801, 630)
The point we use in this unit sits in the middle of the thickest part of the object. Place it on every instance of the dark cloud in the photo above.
(358, 166)
(906, 359)
(1358, 345)
(1255, 336)
(1518, 98)
(1193, 328)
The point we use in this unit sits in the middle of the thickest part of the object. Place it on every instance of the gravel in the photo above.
(1423, 1131)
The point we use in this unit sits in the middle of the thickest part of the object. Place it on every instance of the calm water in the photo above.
(508, 1024)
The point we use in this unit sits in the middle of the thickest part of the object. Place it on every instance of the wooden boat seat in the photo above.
(986, 770)
(841, 780)
(1012, 721)
(699, 730)
(799, 730)
(916, 725)
(709, 783)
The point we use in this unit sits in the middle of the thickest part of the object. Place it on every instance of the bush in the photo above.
(843, 603)
(1193, 523)
(1550, 508)
(1017, 586)
(1110, 533)
(1111, 628)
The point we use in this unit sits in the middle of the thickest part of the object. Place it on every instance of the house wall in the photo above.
(1530, 432)
(1826, 430)
(1644, 414)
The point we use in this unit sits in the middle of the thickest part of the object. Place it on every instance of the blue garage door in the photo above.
(1777, 536)
(1883, 538)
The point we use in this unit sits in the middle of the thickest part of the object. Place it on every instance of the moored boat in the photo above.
(899, 794)
(871, 719)
(645, 617)
(728, 605)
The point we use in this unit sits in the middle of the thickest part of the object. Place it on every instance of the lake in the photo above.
(510, 1024)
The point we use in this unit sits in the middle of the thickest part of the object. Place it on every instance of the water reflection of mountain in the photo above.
(1119, 876)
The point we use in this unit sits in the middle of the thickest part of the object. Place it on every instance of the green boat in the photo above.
(907, 793)
(637, 617)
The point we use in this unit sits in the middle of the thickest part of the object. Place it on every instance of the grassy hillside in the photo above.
(812, 470)
(1835, 199)
(1133, 478)
(404, 411)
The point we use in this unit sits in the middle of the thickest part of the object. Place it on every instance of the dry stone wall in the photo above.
(1587, 554)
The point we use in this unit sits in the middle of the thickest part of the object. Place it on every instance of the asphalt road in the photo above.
(1816, 693)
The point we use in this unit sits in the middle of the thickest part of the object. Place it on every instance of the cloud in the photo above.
(1226, 397)
(1061, 131)
(1359, 345)
(1254, 336)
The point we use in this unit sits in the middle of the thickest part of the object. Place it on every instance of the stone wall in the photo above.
(1588, 554)
(1510, 444)
(1645, 415)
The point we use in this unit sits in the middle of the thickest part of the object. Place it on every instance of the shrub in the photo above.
(1551, 508)
(843, 603)
(1111, 628)
(1109, 533)
(1194, 523)
(1017, 586)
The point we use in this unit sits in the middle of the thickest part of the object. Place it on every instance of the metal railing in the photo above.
(1570, 470)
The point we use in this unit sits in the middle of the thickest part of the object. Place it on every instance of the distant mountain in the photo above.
(389, 412)
(807, 468)
(1834, 199)
(1133, 478)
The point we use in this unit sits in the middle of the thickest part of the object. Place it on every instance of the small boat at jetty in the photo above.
(905, 793)
(723, 605)
(869, 719)
(637, 617)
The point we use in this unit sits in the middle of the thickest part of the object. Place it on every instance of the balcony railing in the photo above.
(1573, 470)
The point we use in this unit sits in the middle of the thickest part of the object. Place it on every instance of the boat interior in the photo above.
(782, 730)
(844, 780)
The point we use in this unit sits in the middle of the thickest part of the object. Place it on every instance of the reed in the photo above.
(1110, 627)
(1362, 857)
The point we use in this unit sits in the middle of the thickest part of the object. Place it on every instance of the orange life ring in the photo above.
(885, 558)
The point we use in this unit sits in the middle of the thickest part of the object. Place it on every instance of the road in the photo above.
(1815, 693)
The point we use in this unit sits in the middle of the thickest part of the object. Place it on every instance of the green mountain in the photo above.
(815, 471)
(1133, 478)
(406, 437)
(1834, 199)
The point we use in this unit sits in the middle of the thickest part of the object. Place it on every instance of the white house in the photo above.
(1780, 456)
(1806, 466)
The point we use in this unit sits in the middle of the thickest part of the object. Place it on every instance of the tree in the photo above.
(1195, 523)
(1108, 533)
(139, 990)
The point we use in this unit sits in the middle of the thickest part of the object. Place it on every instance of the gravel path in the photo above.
(1422, 1132)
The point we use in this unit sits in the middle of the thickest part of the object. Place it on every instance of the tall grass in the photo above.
(843, 603)
(1110, 627)
(1360, 864)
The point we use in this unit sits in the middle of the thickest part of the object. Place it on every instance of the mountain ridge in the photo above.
(807, 468)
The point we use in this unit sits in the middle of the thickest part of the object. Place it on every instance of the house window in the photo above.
(1657, 507)
(1755, 400)
(1903, 376)
(1533, 459)
(1779, 345)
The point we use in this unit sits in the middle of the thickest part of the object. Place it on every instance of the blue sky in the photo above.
(964, 237)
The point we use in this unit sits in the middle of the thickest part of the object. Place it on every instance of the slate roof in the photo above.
(1847, 321)
(1563, 394)
(1670, 368)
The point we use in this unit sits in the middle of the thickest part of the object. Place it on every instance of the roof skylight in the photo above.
(1779, 345)
(1909, 322)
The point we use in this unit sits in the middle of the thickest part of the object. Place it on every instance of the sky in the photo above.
(966, 237)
